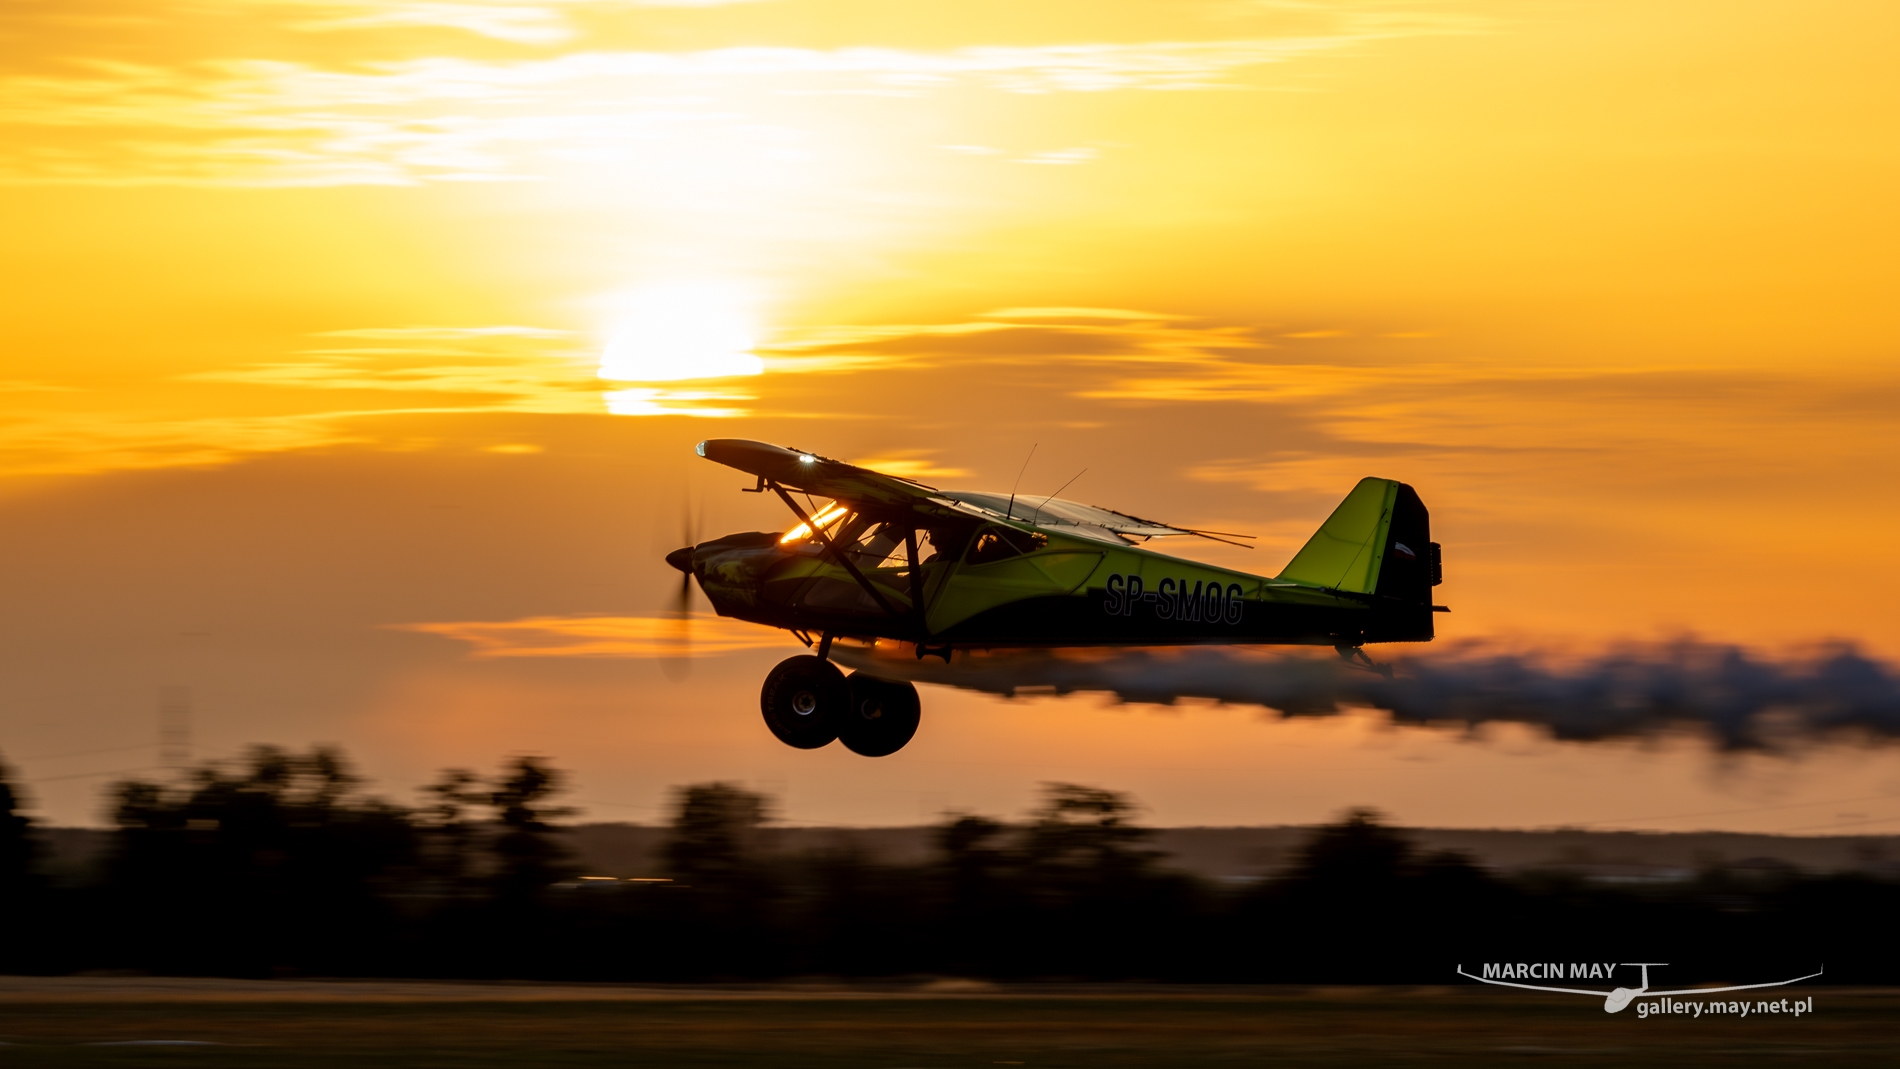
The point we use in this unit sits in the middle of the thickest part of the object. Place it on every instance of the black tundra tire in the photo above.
(803, 700)
(882, 716)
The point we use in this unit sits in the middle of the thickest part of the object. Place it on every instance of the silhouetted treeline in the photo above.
(282, 866)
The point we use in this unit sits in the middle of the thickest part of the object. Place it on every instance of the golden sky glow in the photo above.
(331, 318)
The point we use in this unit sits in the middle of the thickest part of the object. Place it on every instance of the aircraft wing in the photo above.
(810, 473)
(1091, 521)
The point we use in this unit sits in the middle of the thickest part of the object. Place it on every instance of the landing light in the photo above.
(807, 458)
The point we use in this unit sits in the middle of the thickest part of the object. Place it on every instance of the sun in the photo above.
(682, 330)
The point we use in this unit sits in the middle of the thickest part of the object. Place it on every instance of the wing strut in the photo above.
(916, 580)
(835, 553)
(1217, 536)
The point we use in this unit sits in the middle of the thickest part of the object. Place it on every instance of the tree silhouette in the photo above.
(527, 855)
(278, 863)
(714, 836)
(22, 898)
(251, 870)
(1356, 853)
(728, 899)
(1086, 828)
(448, 832)
(976, 871)
(18, 849)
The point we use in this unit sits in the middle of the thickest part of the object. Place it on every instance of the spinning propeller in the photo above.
(677, 666)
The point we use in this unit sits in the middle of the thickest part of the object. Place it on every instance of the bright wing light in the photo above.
(675, 331)
(823, 520)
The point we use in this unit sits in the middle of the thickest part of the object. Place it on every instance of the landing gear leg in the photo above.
(1359, 658)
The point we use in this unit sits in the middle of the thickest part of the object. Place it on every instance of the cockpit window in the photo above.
(879, 545)
(1001, 543)
(942, 542)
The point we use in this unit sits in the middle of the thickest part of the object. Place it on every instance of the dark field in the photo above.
(63, 1022)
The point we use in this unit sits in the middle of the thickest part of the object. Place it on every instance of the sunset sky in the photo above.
(344, 336)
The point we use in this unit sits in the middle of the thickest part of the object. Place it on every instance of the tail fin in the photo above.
(1378, 541)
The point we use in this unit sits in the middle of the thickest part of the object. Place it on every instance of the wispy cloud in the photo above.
(429, 333)
(520, 21)
(1496, 438)
(436, 113)
(37, 443)
(431, 369)
(1219, 379)
(662, 636)
(503, 368)
(919, 464)
(487, 369)
(32, 386)
(677, 401)
(415, 371)
(1065, 157)
(1078, 335)
(491, 382)
(526, 23)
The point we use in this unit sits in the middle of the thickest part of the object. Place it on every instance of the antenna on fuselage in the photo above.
(1011, 514)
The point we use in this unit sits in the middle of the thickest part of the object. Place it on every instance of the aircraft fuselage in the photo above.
(1062, 591)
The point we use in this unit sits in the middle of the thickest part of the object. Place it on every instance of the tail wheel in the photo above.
(882, 718)
(804, 700)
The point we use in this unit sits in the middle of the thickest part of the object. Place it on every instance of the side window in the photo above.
(1001, 543)
(990, 546)
(880, 546)
(943, 543)
(931, 543)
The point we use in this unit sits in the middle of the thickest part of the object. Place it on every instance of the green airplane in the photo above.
(892, 559)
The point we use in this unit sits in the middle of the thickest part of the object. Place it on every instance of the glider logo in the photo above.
(1204, 602)
(1404, 550)
(1506, 974)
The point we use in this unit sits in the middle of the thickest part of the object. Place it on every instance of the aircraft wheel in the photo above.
(803, 700)
(882, 718)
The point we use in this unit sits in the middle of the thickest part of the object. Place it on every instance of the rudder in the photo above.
(1342, 554)
(1377, 541)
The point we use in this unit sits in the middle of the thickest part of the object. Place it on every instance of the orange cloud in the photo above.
(699, 635)
(430, 101)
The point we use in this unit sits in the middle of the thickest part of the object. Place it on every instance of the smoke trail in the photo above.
(1742, 700)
